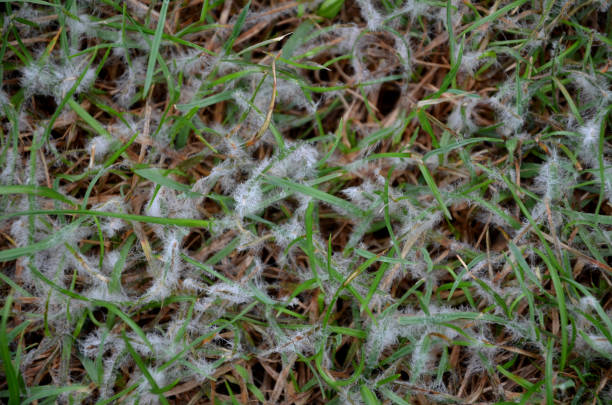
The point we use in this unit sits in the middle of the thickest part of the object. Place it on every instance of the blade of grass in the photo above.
(115, 283)
(431, 183)
(158, 176)
(143, 368)
(40, 191)
(51, 392)
(154, 51)
(91, 121)
(492, 17)
(11, 372)
(49, 242)
(315, 193)
(184, 222)
(229, 43)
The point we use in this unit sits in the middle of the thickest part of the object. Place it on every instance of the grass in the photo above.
(377, 202)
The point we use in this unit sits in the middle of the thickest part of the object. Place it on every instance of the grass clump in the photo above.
(305, 202)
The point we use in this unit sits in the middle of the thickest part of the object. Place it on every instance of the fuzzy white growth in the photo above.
(164, 346)
(139, 345)
(590, 133)
(261, 17)
(82, 24)
(362, 54)
(24, 123)
(7, 176)
(420, 227)
(382, 336)
(27, 12)
(470, 61)
(90, 346)
(248, 197)
(111, 364)
(456, 16)
(29, 357)
(376, 20)
(99, 291)
(421, 357)
(110, 226)
(37, 78)
(159, 377)
(303, 342)
(232, 146)
(233, 293)
(404, 52)
(191, 62)
(35, 173)
(523, 330)
(52, 262)
(299, 164)
(249, 241)
(101, 145)
(129, 81)
(593, 90)
(110, 260)
(504, 102)
(224, 173)
(346, 34)
(553, 180)
(201, 369)
(370, 14)
(288, 232)
(590, 153)
(224, 224)
(52, 79)
(166, 273)
(71, 75)
(288, 94)
(192, 284)
(242, 101)
(123, 130)
(87, 267)
(599, 344)
(481, 355)
(363, 195)
(588, 302)
(168, 204)
(4, 101)
(189, 90)
(19, 231)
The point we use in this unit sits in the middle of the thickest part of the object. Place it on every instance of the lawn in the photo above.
(306, 202)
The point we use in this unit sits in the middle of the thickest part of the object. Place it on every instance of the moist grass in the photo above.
(377, 202)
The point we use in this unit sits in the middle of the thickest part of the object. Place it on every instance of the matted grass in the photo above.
(379, 202)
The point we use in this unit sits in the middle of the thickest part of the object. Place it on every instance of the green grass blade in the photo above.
(229, 43)
(57, 238)
(143, 368)
(369, 398)
(154, 51)
(315, 193)
(89, 120)
(11, 372)
(157, 176)
(115, 283)
(40, 191)
(183, 222)
(431, 183)
(52, 392)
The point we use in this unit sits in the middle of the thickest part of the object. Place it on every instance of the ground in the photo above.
(306, 202)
